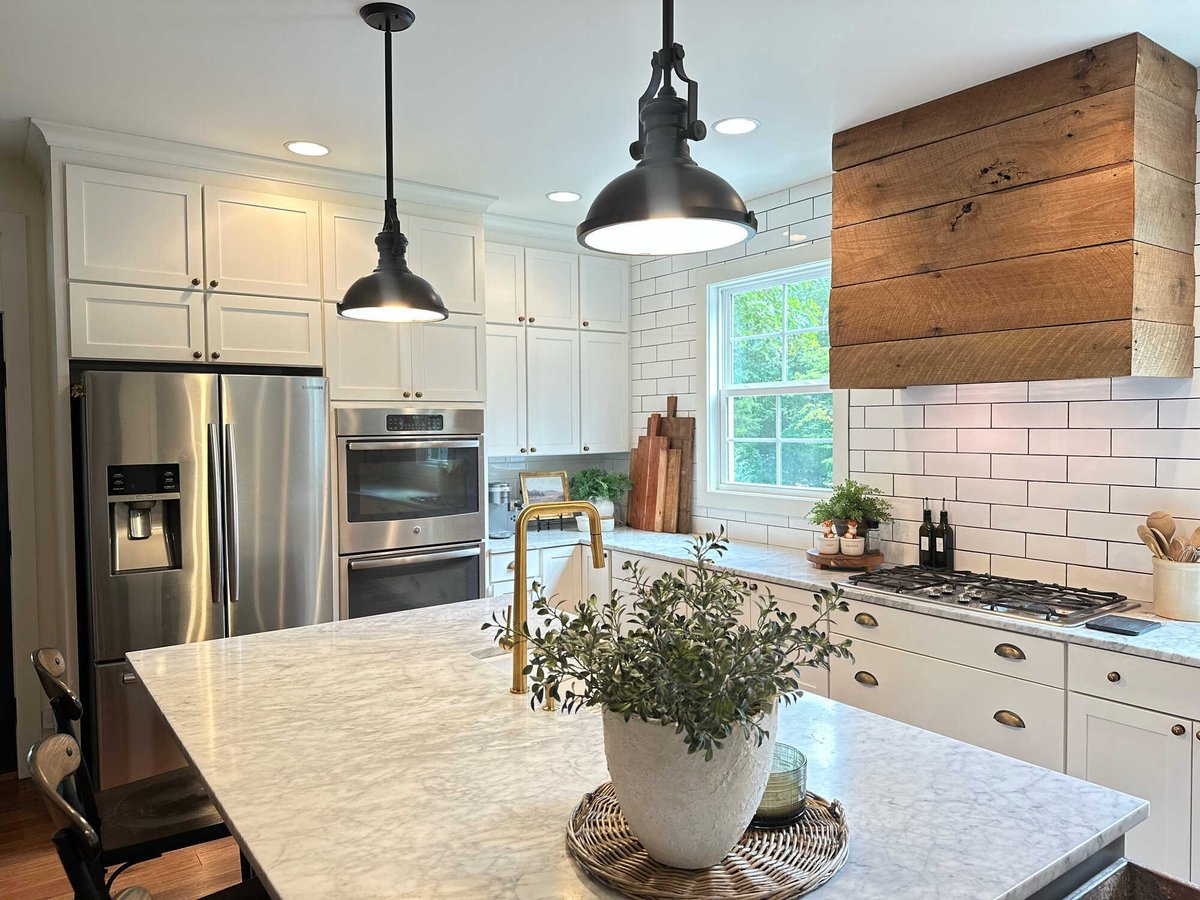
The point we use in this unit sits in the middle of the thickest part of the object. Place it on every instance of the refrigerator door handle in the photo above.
(233, 543)
(216, 531)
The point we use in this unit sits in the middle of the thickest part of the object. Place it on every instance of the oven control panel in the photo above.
(412, 422)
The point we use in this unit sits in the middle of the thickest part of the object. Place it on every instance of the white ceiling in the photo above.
(518, 98)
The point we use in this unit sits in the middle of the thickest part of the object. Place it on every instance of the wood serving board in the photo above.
(867, 561)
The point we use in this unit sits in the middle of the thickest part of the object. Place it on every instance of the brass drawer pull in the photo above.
(866, 620)
(1114, 677)
(512, 565)
(1009, 718)
(1009, 651)
(866, 678)
(1178, 730)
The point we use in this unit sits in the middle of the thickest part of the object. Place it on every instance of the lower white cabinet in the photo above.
(597, 582)
(263, 330)
(566, 573)
(562, 575)
(1149, 755)
(604, 386)
(112, 321)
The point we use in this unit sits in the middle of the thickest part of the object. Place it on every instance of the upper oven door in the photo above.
(397, 493)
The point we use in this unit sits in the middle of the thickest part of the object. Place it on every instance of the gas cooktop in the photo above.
(1033, 600)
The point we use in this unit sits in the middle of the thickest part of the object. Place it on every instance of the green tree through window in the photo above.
(776, 406)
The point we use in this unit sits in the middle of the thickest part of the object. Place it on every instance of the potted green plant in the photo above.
(851, 499)
(688, 692)
(603, 489)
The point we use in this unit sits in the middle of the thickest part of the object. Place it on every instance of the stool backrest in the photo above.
(51, 668)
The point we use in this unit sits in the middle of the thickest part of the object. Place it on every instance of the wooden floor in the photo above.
(30, 870)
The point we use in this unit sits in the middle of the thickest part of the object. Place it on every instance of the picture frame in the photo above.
(544, 487)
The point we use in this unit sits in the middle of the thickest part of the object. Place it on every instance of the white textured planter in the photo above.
(687, 812)
(607, 510)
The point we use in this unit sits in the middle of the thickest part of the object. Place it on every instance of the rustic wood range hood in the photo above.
(1040, 226)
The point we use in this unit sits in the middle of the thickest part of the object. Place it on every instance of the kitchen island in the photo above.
(384, 757)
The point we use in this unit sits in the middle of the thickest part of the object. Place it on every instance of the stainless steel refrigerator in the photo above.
(207, 515)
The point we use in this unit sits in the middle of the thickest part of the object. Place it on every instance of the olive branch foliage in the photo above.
(675, 650)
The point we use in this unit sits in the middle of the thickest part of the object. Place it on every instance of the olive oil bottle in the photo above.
(925, 537)
(943, 541)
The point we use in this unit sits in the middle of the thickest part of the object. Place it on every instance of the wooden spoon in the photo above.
(1148, 538)
(1177, 547)
(1163, 521)
(1164, 546)
(1194, 540)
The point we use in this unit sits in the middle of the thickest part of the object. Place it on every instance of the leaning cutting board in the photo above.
(681, 435)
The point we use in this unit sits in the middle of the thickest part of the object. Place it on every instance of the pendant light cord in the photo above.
(668, 43)
(391, 221)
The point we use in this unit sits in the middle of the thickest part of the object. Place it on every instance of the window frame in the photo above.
(718, 496)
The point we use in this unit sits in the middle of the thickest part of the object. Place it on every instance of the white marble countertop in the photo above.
(380, 757)
(1177, 642)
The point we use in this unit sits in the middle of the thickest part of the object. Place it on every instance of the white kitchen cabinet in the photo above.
(110, 321)
(367, 360)
(562, 575)
(551, 288)
(604, 402)
(264, 244)
(552, 366)
(448, 360)
(133, 229)
(1144, 753)
(348, 245)
(449, 255)
(597, 582)
(263, 330)
(507, 418)
(504, 268)
(603, 294)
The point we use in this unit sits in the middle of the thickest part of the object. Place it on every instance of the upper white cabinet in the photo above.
(604, 398)
(603, 294)
(551, 288)
(504, 270)
(348, 246)
(258, 243)
(552, 367)
(507, 417)
(263, 330)
(133, 229)
(449, 255)
(449, 360)
(113, 321)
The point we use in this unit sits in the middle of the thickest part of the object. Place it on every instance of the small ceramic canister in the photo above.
(853, 546)
(829, 545)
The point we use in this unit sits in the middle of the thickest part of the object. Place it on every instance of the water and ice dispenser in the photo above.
(143, 513)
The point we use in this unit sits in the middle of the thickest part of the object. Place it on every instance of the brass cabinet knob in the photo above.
(1114, 677)
(586, 448)
(195, 282)
(512, 565)
(1178, 730)
(419, 394)
(216, 354)
(533, 449)
(866, 620)
(531, 320)
(585, 323)
(1009, 718)
(196, 354)
(407, 395)
(523, 450)
(520, 318)
(866, 678)
(1009, 651)
(213, 283)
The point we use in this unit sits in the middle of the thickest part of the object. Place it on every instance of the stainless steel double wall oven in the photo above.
(411, 519)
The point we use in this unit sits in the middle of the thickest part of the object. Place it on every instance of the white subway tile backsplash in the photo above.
(894, 416)
(1110, 470)
(1145, 500)
(780, 536)
(1054, 495)
(745, 531)
(974, 465)
(1169, 443)
(925, 486)
(1179, 413)
(1105, 526)
(1030, 468)
(966, 560)
(1071, 441)
(1004, 392)
(800, 211)
(1129, 558)
(1030, 415)
(938, 440)
(857, 415)
(1067, 549)
(896, 461)
(814, 188)
(1133, 585)
(993, 440)
(1029, 519)
(993, 490)
(872, 439)
(1153, 388)
(977, 515)
(871, 396)
(932, 393)
(1082, 389)
(1114, 414)
(962, 415)
(1178, 473)
(987, 540)
(1029, 569)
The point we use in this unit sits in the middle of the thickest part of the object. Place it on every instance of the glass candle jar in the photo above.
(783, 800)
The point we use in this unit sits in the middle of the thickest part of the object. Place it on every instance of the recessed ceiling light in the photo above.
(736, 125)
(562, 196)
(307, 148)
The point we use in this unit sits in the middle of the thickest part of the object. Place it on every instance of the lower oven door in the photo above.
(390, 582)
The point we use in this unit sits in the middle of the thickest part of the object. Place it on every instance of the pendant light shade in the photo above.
(666, 204)
(392, 293)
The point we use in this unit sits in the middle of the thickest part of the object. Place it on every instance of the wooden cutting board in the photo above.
(681, 435)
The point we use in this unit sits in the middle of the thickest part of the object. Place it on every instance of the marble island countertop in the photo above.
(384, 757)
(1175, 641)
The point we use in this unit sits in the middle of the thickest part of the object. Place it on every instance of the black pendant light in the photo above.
(392, 293)
(667, 204)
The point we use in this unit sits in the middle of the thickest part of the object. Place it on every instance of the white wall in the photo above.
(1043, 480)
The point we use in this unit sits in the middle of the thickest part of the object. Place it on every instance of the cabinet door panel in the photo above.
(132, 229)
(265, 244)
(118, 322)
(264, 330)
(562, 575)
(597, 582)
(348, 245)
(603, 294)
(449, 255)
(553, 370)
(367, 360)
(552, 288)
(1133, 750)
(604, 381)
(505, 282)
(506, 408)
(448, 360)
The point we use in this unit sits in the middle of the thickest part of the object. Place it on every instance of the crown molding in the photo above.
(498, 227)
(95, 140)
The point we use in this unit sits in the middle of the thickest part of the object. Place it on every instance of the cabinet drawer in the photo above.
(1005, 652)
(501, 566)
(1149, 683)
(957, 701)
(652, 568)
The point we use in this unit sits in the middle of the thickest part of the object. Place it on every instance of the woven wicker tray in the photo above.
(777, 864)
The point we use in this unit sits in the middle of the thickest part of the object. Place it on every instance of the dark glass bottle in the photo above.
(925, 537)
(943, 542)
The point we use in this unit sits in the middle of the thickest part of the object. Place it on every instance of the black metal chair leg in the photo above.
(247, 871)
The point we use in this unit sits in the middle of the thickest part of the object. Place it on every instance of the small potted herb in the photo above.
(850, 499)
(603, 490)
(688, 691)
